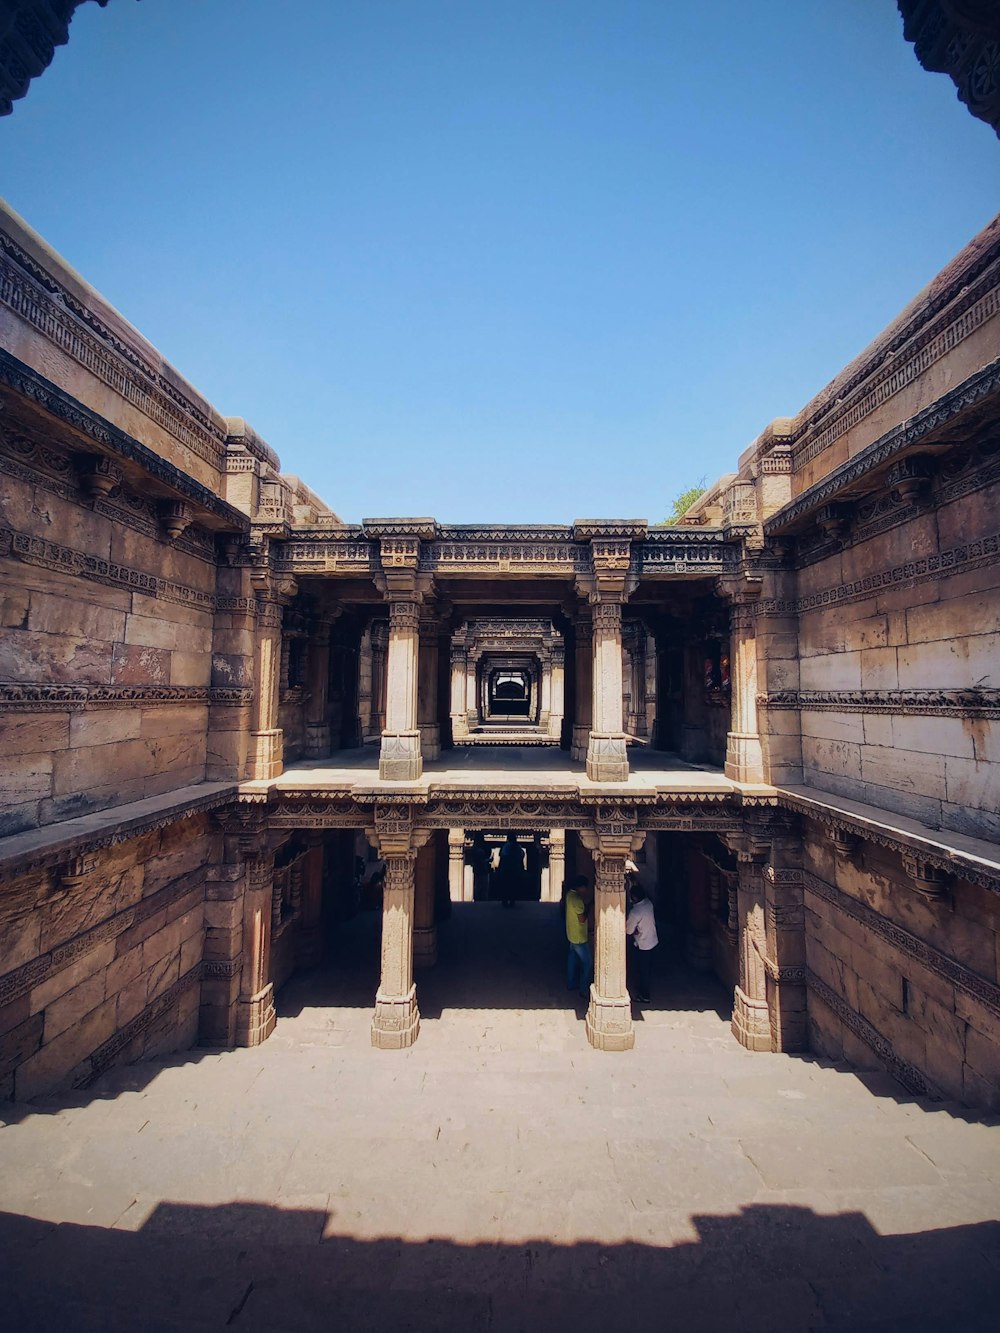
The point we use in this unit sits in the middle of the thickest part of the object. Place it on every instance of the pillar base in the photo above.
(399, 758)
(317, 740)
(579, 742)
(430, 740)
(744, 758)
(255, 1018)
(266, 750)
(425, 948)
(609, 1023)
(751, 1024)
(396, 1022)
(607, 758)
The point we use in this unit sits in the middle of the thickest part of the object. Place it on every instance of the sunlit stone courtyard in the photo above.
(499, 1174)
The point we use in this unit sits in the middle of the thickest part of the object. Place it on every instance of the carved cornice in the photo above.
(962, 978)
(39, 697)
(21, 379)
(41, 849)
(960, 38)
(973, 703)
(918, 430)
(30, 31)
(415, 528)
(953, 560)
(609, 529)
(964, 865)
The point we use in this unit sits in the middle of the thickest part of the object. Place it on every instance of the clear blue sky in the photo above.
(518, 261)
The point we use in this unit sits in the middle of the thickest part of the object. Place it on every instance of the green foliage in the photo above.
(685, 500)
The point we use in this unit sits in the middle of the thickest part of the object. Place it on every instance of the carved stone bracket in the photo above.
(929, 880)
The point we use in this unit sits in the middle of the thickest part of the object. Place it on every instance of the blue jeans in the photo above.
(579, 960)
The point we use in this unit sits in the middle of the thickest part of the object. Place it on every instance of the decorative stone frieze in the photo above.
(979, 702)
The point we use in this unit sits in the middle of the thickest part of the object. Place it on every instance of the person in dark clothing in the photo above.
(511, 870)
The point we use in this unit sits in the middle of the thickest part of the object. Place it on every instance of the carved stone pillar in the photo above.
(545, 710)
(317, 741)
(557, 864)
(399, 758)
(265, 759)
(609, 1015)
(427, 690)
(744, 758)
(751, 1019)
(255, 1017)
(584, 675)
(397, 1019)
(557, 693)
(459, 721)
(456, 865)
(607, 757)
(309, 940)
(424, 929)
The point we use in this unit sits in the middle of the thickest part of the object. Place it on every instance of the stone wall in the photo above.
(900, 981)
(105, 659)
(897, 685)
(102, 959)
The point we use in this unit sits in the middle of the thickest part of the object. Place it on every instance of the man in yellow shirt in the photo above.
(579, 898)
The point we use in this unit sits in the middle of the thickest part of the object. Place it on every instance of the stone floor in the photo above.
(499, 1175)
(491, 766)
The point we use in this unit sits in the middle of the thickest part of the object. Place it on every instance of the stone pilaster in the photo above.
(379, 651)
(785, 961)
(459, 722)
(583, 667)
(424, 929)
(397, 1019)
(273, 594)
(557, 864)
(456, 865)
(400, 758)
(751, 1024)
(609, 1014)
(744, 757)
(557, 692)
(317, 739)
(427, 689)
(607, 756)
(255, 1017)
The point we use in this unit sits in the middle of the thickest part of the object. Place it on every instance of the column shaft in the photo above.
(427, 693)
(397, 1019)
(744, 759)
(609, 1015)
(318, 667)
(399, 758)
(751, 1020)
(583, 666)
(255, 1017)
(607, 757)
(456, 865)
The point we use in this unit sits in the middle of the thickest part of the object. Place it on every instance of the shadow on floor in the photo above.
(489, 957)
(254, 1267)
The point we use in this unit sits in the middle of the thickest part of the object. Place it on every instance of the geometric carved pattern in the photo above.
(911, 1078)
(977, 702)
(35, 697)
(985, 992)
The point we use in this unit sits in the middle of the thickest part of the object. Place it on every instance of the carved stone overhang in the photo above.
(73, 446)
(931, 859)
(69, 847)
(960, 38)
(522, 551)
(511, 807)
(30, 31)
(913, 464)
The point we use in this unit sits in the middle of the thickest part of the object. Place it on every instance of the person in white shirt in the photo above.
(640, 924)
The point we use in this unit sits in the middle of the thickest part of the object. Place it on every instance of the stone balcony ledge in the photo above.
(37, 849)
(974, 859)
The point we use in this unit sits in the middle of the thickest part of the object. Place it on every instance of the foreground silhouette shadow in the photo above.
(254, 1267)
